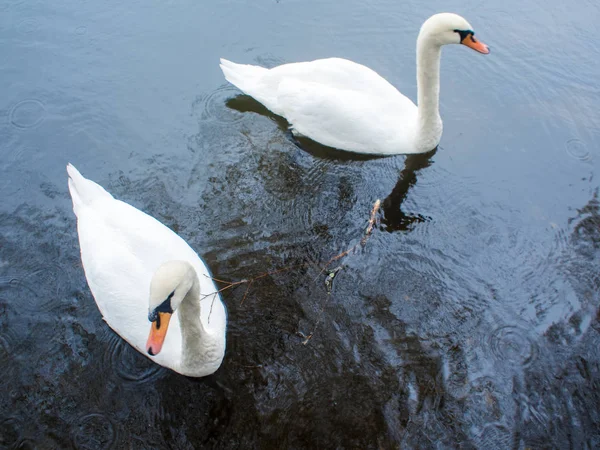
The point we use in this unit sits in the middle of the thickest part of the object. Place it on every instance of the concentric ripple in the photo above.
(577, 149)
(211, 106)
(27, 113)
(512, 344)
(28, 288)
(129, 364)
(9, 283)
(19, 154)
(9, 432)
(28, 26)
(93, 431)
(25, 444)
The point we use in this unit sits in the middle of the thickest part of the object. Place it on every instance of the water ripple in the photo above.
(10, 282)
(26, 444)
(484, 402)
(28, 287)
(577, 149)
(511, 344)
(285, 174)
(456, 372)
(10, 432)
(493, 435)
(27, 113)
(93, 431)
(20, 153)
(8, 347)
(211, 106)
(129, 364)
(28, 26)
(269, 61)
(281, 175)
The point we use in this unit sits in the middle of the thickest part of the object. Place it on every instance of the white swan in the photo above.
(346, 105)
(139, 271)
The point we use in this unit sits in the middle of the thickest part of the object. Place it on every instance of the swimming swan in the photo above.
(138, 271)
(346, 105)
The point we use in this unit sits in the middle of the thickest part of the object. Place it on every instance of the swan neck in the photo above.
(429, 123)
(428, 78)
(192, 330)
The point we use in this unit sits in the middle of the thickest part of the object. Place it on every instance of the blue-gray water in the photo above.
(469, 320)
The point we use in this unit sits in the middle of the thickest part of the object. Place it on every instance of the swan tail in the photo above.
(83, 191)
(243, 76)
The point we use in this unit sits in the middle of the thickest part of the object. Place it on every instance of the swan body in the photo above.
(139, 272)
(343, 104)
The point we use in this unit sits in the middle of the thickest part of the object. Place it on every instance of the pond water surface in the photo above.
(470, 319)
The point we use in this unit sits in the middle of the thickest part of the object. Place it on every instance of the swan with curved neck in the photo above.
(175, 287)
(140, 270)
(348, 106)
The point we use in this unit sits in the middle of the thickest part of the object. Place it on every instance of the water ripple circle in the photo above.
(511, 344)
(212, 105)
(93, 431)
(28, 26)
(27, 113)
(577, 150)
(130, 364)
(5, 353)
(9, 432)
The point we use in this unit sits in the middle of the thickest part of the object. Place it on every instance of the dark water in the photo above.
(469, 320)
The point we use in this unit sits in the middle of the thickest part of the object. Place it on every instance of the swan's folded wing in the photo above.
(347, 119)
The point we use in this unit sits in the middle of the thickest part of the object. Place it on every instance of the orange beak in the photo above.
(470, 41)
(158, 332)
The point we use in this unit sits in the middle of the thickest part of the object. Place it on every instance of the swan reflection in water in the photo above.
(394, 219)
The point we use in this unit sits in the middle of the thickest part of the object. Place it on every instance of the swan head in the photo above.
(449, 28)
(170, 284)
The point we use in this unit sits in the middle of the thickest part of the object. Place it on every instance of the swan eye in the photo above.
(465, 34)
(163, 307)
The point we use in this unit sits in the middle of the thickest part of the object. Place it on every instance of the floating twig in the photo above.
(246, 293)
(363, 241)
(329, 279)
(372, 220)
